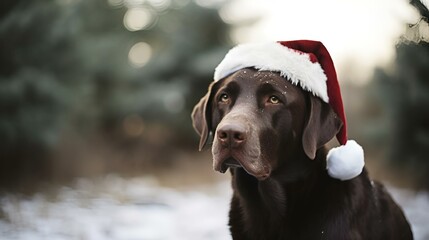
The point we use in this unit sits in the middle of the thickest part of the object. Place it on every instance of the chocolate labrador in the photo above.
(264, 128)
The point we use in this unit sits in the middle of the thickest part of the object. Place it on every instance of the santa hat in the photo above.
(307, 64)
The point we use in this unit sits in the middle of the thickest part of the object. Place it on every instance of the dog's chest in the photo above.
(268, 212)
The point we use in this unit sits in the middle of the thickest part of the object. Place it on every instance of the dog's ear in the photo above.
(321, 126)
(201, 117)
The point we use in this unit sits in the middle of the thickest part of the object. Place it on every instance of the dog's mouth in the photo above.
(229, 163)
(253, 167)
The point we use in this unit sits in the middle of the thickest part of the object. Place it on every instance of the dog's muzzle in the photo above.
(236, 144)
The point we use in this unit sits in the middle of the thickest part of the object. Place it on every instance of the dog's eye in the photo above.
(224, 98)
(274, 100)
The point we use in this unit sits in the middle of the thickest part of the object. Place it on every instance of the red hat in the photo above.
(309, 65)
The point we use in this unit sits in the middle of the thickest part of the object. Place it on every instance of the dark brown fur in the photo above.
(277, 158)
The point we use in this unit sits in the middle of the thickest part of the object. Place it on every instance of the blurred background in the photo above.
(96, 140)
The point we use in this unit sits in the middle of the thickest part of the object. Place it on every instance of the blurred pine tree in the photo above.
(66, 67)
(404, 93)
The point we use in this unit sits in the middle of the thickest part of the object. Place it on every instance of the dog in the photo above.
(272, 135)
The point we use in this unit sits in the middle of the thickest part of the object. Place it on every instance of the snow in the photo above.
(416, 209)
(139, 208)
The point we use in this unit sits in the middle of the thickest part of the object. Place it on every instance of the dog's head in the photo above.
(260, 121)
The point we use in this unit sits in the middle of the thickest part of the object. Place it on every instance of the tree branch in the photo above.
(423, 10)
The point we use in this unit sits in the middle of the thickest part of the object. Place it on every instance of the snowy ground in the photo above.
(117, 208)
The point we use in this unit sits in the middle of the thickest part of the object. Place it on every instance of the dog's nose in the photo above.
(231, 135)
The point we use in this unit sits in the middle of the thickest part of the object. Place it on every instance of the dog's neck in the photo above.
(284, 194)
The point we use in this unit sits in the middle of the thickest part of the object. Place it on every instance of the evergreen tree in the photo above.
(404, 92)
(64, 67)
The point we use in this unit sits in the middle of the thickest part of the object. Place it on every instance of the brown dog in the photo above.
(271, 135)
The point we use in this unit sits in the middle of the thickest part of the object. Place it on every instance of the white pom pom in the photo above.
(345, 162)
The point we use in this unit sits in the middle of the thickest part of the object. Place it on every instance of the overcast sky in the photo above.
(362, 32)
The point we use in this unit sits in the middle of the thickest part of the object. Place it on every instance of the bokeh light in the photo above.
(139, 18)
(140, 54)
(115, 3)
(160, 5)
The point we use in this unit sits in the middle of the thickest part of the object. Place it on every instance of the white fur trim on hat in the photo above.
(345, 162)
(292, 65)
